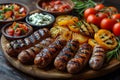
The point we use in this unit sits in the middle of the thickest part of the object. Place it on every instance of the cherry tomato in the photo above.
(10, 31)
(111, 10)
(102, 15)
(107, 23)
(89, 11)
(114, 9)
(99, 7)
(116, 29)
(116, 16)
(93, 19)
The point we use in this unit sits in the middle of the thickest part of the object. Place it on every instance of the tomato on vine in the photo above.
(116, 29)
(116, 16)
(93, 19)
(102, 15)
(113, 9)
(107, 23)
(89, 11)
(99, 7)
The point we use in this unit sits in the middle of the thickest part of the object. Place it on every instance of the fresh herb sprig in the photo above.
(114, 53)
(80, 6)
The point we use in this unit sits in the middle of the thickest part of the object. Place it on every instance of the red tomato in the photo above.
(93, 19)
(23, 26)
(16, 7)
(18, 32)
(116, 16)
(99, 7)
(116, 29)
(61, 10)
(107, 23)
(111, 10)
(23, 14)
(52, 3)
(8, 14)
(57, 2)
(63, 7)
(10, 31)
(44, 4)
(89, 11)
(102, 15)
(114, 9)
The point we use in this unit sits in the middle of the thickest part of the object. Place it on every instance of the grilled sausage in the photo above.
(47, 55)
(98, 58)
(14, 47)
(80, 60)
(27, 56)
(66, 54)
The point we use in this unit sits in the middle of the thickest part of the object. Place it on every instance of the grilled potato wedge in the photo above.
(81, 38)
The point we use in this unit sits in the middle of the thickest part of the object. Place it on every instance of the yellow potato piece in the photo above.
(66, 35)
(57, 30)
(79, 37)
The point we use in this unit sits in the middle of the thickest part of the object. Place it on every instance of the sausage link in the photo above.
(27, 56)
(66, 54)
(80, 60)
(98, 58)
(47, 55)
(15, 47)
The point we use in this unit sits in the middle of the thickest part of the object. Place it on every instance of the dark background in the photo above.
(8, 72)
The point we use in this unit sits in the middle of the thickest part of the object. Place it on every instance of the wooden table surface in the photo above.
(8, 72)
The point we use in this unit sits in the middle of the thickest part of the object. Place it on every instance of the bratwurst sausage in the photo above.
(47, 55)
(66, 54)
(98, 58)
(27, 56)
(16, 46)
(80, 60)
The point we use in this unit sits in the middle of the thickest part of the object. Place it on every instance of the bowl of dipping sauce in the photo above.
(40, 19)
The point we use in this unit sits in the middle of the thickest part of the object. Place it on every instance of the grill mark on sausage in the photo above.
(27, 41)
(98, 57)
(37, 35)
(81, 58)
(51, 51)
(21, 42)
(67, 53)
(35, 49)
(31, 40)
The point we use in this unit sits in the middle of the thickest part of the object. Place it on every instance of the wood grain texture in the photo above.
(52, 73)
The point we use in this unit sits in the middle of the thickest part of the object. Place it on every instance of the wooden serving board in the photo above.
(52, 73)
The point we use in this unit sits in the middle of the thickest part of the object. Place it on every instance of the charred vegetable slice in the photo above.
(106, 39)
(87, 29)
